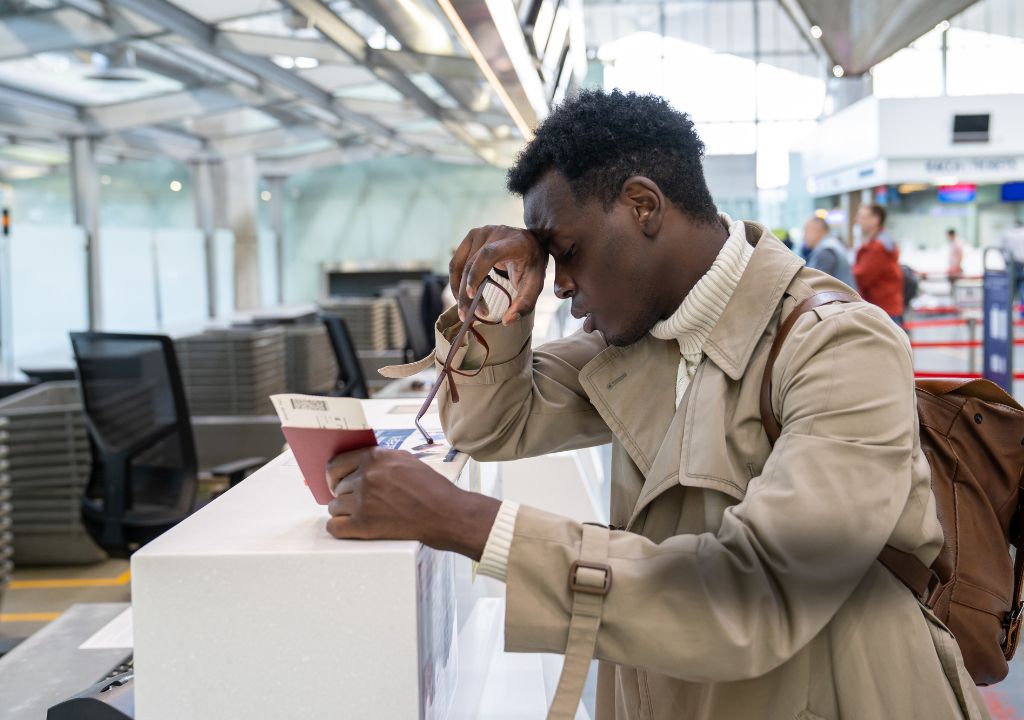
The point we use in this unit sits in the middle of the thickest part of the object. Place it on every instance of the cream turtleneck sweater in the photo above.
(702, 307)
(690, 326)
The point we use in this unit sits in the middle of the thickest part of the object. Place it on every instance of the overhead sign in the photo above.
(939, 171)
(953, 166)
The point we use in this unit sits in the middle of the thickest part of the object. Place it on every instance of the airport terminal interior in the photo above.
(206, 203)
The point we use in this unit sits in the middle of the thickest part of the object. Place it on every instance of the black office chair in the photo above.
(351, 381)
(431, 305)
(417, 343)
(145, 471)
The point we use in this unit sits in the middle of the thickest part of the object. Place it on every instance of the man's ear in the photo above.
(646, 203)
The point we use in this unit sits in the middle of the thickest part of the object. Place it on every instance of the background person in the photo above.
(956, 256)
(877, 268)
(826, 252)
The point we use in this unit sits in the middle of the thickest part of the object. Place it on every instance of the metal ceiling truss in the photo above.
(332, 27)
(227, 70)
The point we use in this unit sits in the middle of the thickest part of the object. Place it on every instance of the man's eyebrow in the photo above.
(544, 236)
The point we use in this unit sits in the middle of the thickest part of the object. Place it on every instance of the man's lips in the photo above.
(588, 322)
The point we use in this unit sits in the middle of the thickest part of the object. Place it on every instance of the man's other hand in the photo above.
(511, 250)
(390, 495)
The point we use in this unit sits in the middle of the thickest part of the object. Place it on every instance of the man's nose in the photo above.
(565, 288)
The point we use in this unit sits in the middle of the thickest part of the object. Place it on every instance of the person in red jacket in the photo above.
(877, 268)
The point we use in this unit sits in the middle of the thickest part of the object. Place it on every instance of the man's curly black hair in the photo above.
(598, 140)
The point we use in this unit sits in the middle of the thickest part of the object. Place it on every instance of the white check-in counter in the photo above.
(249, 609)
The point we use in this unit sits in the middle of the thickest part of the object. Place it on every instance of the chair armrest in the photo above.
(236, 470)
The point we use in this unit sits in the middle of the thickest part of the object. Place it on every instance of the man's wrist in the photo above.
(468, 522)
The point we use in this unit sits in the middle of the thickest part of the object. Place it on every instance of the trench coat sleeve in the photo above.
(736, 604)
(523, 402)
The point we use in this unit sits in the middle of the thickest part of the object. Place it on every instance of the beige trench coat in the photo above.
(745, 584)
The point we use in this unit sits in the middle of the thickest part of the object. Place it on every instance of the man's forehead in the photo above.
(545, 204)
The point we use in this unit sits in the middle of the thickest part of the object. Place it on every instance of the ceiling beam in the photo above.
(254, 142)
(447, 66)
(157, 141)
(265, 45)
(172, 106)
(64, 28)
(332, 27)
(285, 167)
(21, 108)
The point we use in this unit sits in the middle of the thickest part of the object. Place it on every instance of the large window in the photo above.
(740, 106)
(983, 49)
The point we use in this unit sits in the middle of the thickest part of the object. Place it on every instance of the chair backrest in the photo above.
(417, 343)
(351, 381)
(144, 457)
(431, 304)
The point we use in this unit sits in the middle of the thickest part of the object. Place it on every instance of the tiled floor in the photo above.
(38, 595)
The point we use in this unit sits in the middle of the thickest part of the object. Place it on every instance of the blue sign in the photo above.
(1012, 192)
(998, 325)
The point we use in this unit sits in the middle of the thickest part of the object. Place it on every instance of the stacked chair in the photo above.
(233, 372)
(310, 364)
(45, 465)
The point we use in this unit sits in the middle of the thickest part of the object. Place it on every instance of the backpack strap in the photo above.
(590, 579)
(1015, 619)
(768, 419)
(906, 567)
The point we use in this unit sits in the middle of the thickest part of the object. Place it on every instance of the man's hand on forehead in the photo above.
(515, 250)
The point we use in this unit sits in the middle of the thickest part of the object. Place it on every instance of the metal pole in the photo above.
(945, 52)
(85, 197)
(275, 186)
(202, 194)
(6, 349)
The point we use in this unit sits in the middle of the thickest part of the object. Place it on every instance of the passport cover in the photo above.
(313, 449)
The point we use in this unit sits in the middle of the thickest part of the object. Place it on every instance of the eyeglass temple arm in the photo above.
(446, 369)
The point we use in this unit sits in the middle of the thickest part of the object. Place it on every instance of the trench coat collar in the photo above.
(771, 268)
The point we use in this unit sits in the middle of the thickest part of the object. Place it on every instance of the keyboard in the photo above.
(125, 666)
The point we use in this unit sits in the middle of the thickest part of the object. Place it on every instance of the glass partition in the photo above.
(128, 263)
(47, 293)
(181, 278)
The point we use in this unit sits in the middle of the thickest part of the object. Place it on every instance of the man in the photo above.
(877, 267)
(826, 253)
(739, 581)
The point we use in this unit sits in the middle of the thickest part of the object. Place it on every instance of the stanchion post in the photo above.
(997, 319)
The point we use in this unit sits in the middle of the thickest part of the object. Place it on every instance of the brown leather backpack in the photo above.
(972, 433)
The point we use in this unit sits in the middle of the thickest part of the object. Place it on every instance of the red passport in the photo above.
(313, 449)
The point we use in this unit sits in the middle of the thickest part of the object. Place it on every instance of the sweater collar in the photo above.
(701, 309)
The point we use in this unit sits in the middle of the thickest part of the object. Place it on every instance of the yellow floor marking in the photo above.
(122, 579)
(29, 617)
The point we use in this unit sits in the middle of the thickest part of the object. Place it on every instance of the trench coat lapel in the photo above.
(768, 274)
(633, 389)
